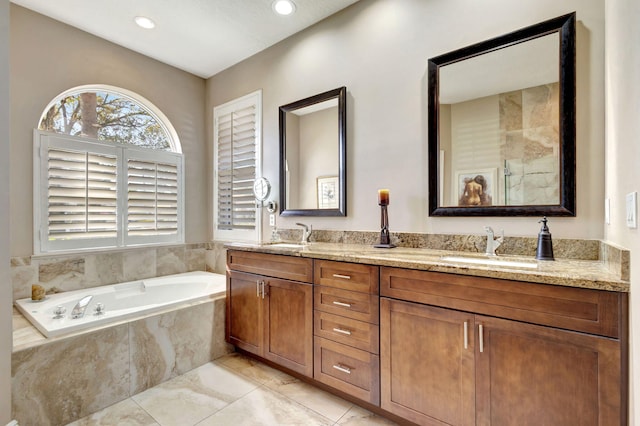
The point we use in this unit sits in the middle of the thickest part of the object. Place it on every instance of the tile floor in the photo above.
(233, 390)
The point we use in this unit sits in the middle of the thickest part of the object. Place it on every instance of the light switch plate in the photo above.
(272, 219)
(632, 210)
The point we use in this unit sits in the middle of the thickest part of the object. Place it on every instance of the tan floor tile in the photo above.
(265, 408)
(195, 395)
(358, 416)
(124, 413)
(322, 402)
(255, 370)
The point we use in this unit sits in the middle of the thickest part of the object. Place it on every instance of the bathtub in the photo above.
(120, 301)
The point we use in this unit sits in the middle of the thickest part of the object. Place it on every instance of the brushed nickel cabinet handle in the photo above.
(481, 337)
(342, 368)
(344, 277)
(342, 331)
(346, 305)
(258, 288)
(466, 334)
(263, 289)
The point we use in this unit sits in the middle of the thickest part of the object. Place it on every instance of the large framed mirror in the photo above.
(502, 125)
(313, 144)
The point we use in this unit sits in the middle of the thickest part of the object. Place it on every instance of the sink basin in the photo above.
(488, 261)
(287, 245)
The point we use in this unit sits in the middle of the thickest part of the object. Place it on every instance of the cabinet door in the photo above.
(427, 363)
(244, 312)
(533, 375)
(288, 325)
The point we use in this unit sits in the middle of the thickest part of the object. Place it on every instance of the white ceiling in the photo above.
(202, 37)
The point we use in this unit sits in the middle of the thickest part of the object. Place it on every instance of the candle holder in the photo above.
(385, 239)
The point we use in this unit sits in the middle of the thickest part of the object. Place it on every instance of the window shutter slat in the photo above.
(81, 194)
(152, 198)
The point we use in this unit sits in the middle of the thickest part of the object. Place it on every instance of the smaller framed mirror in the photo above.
(313, 140)
(502, 125)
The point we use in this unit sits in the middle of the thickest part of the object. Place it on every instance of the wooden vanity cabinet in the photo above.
(466, 350)
(269, 316)
(346, 316)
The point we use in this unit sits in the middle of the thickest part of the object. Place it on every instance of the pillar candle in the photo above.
(383, 197)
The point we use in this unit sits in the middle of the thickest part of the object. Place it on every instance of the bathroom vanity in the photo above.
(435, 342)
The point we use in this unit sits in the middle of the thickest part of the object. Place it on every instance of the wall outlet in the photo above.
(632, 210)
(607, 211)
(272, 219)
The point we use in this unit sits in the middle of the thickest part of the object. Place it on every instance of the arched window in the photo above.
(109, 173)
(110, 114)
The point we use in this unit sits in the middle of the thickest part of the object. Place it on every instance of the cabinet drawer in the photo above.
(271, 265)
(359, 334)
(347, 276)
(579, 309)
(351, 304)
(347, 369)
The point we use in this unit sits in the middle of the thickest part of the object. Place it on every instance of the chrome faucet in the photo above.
(81, 306)
(306, 233)
(492, 242)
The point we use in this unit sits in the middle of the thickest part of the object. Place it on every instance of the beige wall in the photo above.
(622, 82)
(47, 58)
(5, 281)
(378, 49)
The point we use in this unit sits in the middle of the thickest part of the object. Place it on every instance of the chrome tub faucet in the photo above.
(81, 306)
(492, 242)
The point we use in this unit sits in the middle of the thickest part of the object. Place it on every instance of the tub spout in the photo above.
(81, 306)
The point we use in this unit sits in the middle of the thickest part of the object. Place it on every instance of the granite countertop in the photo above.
(591, 274)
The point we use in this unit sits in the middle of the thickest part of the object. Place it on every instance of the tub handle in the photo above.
(99, 309)
(59, 311)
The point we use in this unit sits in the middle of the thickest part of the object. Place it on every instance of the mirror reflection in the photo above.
(502, 124)
(312, 143)
(499, 127)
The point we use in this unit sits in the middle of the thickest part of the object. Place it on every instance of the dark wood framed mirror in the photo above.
(502, 125)
(313, 164)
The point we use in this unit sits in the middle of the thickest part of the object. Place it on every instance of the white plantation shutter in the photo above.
(89, 194)
(153, 196)
(76, 192)
(82, 194)
(236, 157)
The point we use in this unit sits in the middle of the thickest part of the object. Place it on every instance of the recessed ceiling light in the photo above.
(144, 22)
(284, 7)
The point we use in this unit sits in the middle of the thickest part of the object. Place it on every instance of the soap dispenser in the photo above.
(545, 245)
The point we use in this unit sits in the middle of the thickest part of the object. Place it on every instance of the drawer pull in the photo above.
(344, 277)
(342, 331)
(481, 337)
(346, 305)
(342, 368)
(466, 334)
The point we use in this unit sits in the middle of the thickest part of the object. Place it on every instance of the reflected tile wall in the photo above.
(65, 273)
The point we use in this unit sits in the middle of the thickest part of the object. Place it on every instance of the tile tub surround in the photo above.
(58, 273)
(59, 380)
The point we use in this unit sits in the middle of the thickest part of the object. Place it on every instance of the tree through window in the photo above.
(107, 116)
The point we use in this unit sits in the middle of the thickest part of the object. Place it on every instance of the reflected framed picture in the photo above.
(476, 187)
(328, 189)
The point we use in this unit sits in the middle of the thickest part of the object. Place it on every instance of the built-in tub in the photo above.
(120, 301)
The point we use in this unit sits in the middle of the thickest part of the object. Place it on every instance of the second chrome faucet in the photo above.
(492, 242)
